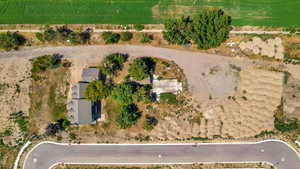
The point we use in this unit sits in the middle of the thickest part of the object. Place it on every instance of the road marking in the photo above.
(262, 150)
(282, 159)
(34, 160)
(159, 156)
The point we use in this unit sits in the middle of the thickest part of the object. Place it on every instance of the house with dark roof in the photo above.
(81, 110)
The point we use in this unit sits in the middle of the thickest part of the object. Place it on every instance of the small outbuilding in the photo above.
(165, 86)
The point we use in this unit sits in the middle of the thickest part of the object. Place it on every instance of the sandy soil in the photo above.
(14, 88)
(271, 48)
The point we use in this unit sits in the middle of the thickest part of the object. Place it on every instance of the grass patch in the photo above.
(48, 98)
(169, 98)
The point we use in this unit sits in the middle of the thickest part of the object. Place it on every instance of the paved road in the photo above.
(278, 153)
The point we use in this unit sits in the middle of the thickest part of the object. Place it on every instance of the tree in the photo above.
(142, 94)
(123, 93)
(49, 34)
(96, 90)
(64, 32)
(40, 36)
(146, 38)
(126, 36)
(176, 31)
(141, 68)
(110, 37)
(138, 27)
(150, 122)
(9, 41)
(127, 116)
(208, 29)
(112, 63)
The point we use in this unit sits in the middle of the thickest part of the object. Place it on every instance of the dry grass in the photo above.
(48, 98)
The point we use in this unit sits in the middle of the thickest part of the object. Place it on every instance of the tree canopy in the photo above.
(208, 29)
(141, 68)
(110, 37)
(112, 63)
(9, 40)
(96, 90)
(127, 116)
(126, 36)
(123, 93)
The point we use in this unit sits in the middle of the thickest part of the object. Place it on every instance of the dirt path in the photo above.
(156, 31)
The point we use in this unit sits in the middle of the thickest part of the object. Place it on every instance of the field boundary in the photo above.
(151, 31)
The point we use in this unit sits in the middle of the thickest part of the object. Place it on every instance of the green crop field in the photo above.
(244, 12)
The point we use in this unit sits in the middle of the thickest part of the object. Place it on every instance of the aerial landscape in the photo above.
(149, 84)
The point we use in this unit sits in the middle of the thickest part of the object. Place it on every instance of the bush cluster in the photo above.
(146, 38)
(113, 63)
(9, 40)
(42, 63)
(96, 90)
(208, 29)
(110, 37)
(63, 34)
(149, 123)
(127, 116)
(141, 68)
(287, 125)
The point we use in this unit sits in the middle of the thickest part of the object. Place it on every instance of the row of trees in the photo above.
(111, 38)
(208, 29)
(63, 34)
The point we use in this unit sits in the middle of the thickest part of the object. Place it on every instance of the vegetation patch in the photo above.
(9, 41)
(207, 30)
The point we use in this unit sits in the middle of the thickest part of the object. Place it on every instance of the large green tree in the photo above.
(112, 63)
(127, 116)
(123, 93)
(96, 90)
(141, 68)
(208, 29)
(9, 40)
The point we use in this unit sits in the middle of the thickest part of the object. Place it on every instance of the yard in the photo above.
(283, 13)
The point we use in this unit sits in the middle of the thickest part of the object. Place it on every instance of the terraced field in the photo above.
(244, 12)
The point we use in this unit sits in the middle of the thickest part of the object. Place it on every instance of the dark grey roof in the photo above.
(90, 74)
(80, 111)
(78, 90)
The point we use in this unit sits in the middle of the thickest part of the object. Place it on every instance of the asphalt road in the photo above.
(45, 155)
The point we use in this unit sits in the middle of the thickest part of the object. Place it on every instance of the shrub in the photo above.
(127, 116)
(141, 68)
(142, 94)
(40, 36)
(110, 37)
(72, 136)
(287, 125)
(50, 34)
(146, 38)
(9, 41)
(123, 93)
(45, 62)
(169, 98)
(63, 33)
(21, 120)
(126, 36)
(150, 122)
(208, 29)
(138, 27)
(112, 63)
(96, 90)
